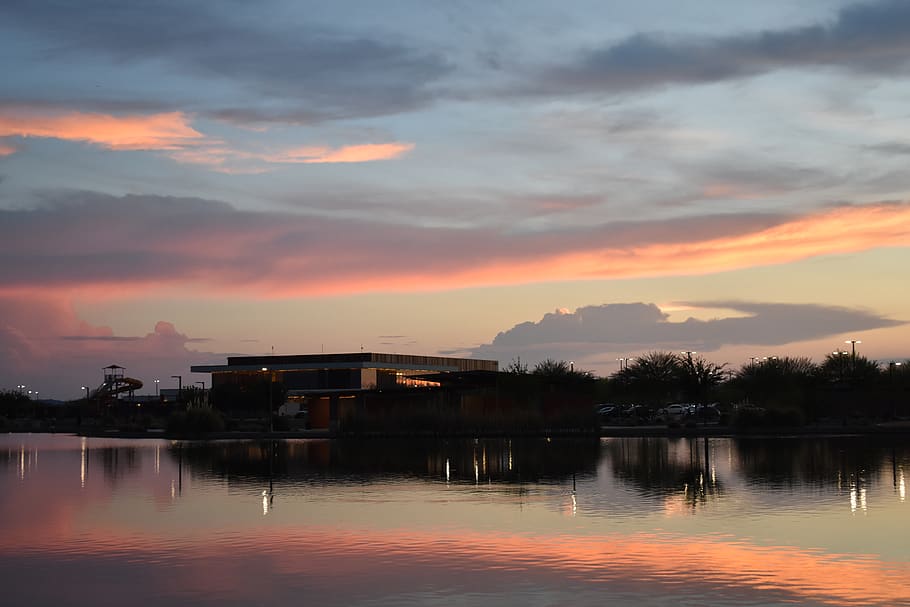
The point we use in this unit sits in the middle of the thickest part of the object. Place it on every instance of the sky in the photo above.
(181, 181)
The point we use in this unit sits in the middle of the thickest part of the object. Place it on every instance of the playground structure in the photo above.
(115, 384)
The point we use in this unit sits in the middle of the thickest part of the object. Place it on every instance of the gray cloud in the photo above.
(893, 148)
(864, 37)
(289, 72)
(638, 326)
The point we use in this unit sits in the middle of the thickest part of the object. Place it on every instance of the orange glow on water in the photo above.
(646, 558)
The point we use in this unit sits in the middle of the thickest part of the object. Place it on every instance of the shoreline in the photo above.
(887, 429)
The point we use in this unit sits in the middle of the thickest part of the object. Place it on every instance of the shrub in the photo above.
(195, 422)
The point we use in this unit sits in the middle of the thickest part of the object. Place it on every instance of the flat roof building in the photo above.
(305, 374)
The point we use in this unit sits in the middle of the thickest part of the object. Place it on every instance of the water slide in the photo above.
(116, 386)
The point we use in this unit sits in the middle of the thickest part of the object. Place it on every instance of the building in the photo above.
(329, 385)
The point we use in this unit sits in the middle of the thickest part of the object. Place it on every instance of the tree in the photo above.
(14, 404)
(552, 368)
(652, 378)
(698, 376)
(516, 367)
(779, 382)
(841, 367)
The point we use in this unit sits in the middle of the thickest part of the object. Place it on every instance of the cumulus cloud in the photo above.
(591, 330)
(142, 243)
(868, 38)
(45, 345)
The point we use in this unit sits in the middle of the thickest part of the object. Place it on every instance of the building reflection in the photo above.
(681, 471)
(476, 461)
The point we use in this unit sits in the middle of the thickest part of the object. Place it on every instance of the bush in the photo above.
(195, 422)
(758, 417)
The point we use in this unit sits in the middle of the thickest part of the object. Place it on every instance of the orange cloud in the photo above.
(208, 247)
(171, 132)
(367, 152)
(843, 230)
(168, 131)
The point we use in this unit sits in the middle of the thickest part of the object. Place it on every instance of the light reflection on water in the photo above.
(618, 521)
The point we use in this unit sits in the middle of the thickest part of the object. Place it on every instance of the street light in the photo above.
(891, 366)
(157, 381)
(179, 379)
(86, 392)
(689, 354)
(853, 343)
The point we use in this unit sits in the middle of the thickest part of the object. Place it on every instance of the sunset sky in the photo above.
(586, 180)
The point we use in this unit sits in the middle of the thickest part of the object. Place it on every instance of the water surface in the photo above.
(817, 521)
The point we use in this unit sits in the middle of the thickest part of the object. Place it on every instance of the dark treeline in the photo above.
(769, 391)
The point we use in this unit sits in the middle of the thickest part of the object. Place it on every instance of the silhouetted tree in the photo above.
(699, 376)
(552, 368)
(651, 379)
(516, 367)
(14, 404)
(788, 382)
(856, 371)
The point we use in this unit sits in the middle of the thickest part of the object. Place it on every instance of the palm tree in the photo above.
(698, 376)
(652, 378)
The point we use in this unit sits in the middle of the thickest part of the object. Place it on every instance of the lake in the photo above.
(625, 521)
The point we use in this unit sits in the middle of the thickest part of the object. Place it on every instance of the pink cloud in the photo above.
(352, 153)
(166, 131)
(7, 149)
(209, 245)
(172, 132)
(44, 344)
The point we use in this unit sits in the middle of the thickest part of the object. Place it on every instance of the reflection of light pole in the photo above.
(157, 381)
(266, 370)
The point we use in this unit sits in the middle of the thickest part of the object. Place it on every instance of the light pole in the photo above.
(179, 379)
(86, 392)
(689, 354)
(853, 343)
(571, 366)
(157, 381)
(266, 370)
(894, 398)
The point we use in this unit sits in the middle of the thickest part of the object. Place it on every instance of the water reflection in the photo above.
(476, 461)
(681, 471)
(469, 522)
